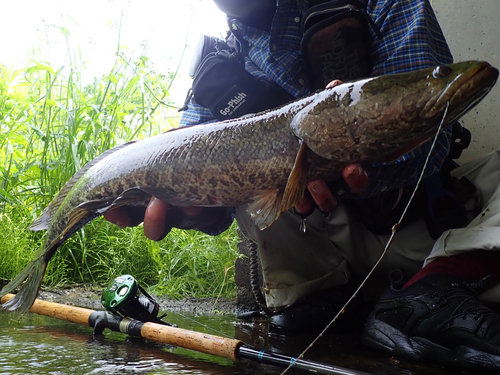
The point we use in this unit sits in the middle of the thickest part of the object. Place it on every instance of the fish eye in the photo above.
(441, 71)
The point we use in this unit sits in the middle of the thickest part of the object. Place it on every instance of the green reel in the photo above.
(124, 296)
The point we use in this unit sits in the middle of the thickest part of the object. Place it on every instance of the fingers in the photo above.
(333, 83)
(356, 178)
(318, 195)
(156, 225)
(322, 195)
(116, 216)
(306, 205)
(154, 219)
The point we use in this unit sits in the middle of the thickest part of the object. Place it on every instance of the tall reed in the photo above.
(51, 125)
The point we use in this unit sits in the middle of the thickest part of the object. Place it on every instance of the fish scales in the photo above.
(264, 160)
(232, 161)
(200, 164)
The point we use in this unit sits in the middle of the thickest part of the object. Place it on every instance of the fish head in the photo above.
(459, 86)
(382, 116)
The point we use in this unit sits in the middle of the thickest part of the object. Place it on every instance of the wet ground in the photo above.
(32, 344)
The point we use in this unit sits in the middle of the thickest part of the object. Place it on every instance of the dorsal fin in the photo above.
(44, 220)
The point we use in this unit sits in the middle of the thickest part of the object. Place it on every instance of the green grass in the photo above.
(51, 125)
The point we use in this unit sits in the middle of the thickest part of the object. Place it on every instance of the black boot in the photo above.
(437, 319)
(312, 313)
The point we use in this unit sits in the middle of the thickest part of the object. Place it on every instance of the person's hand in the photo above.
(319, 195)
(156, 225)
(333, 83)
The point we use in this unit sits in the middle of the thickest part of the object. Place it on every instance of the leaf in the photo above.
(50, 103)
(39, 67)
(38, 131)
(113, 78)
(64, 31)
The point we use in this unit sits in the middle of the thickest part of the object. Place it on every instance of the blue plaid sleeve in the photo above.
(195, 114)
(412, 39)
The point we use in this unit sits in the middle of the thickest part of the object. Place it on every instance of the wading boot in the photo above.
(438, 320)
(312, 313)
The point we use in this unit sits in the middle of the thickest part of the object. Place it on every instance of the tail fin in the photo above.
(33, 274)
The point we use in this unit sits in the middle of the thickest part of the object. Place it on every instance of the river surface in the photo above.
(33, 344)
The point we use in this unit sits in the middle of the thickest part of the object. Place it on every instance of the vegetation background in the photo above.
(51, 124)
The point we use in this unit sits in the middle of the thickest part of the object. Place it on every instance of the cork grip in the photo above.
(201, 342)
(56, 310)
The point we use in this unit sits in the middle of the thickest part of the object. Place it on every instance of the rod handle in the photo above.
(56, 310)
(201, 342)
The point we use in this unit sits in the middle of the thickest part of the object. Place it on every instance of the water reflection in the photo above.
(33, 344)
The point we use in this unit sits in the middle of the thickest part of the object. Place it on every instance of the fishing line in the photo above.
(388, 244)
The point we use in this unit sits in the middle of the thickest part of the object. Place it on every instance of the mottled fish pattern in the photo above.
(264, 159)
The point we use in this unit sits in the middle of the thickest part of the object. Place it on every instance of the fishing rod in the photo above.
(164, 333)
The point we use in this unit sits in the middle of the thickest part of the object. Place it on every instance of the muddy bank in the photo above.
(90, 297)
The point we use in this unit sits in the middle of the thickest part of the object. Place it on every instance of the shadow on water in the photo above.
(32, 344)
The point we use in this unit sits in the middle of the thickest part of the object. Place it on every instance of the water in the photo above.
(33, 344)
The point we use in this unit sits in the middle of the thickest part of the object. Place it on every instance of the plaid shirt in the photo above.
(412, 39)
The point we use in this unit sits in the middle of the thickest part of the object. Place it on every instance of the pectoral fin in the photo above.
(265, 208)
(268, 205)
(297, 181)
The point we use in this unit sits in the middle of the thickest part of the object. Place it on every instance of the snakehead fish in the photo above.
(264, 159)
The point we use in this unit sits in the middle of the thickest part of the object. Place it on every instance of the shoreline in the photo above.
(89, 296)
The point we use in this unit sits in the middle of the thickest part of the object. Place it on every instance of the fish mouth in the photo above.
(464, 91)
(485, 78)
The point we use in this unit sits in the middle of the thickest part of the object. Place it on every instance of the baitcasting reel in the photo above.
(125, 297)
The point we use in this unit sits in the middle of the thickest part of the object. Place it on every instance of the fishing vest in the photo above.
(335, 45)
